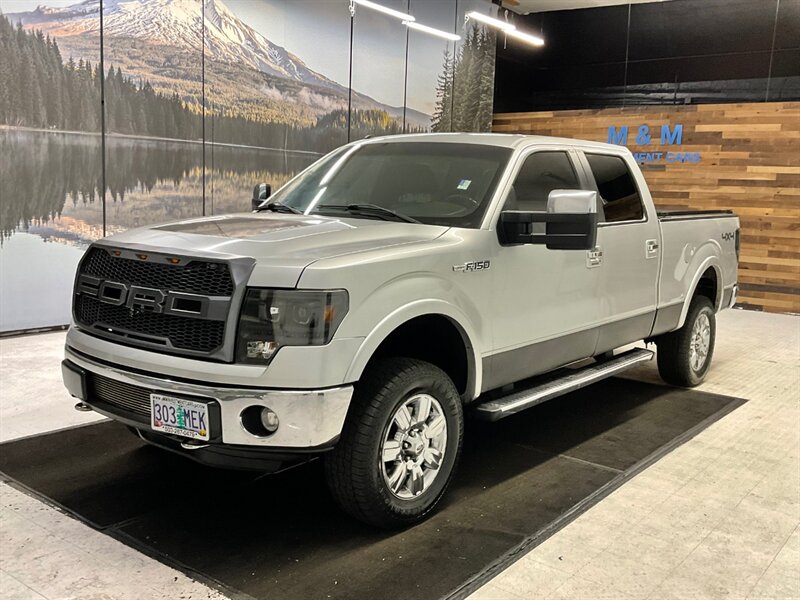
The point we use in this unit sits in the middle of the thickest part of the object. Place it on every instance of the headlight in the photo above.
(271, 319)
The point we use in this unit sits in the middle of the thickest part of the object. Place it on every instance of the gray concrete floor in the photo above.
(717, 518)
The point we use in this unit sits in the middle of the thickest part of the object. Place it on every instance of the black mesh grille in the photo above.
(196, 277)
(143, 326)
(122, 395)
(183, 333)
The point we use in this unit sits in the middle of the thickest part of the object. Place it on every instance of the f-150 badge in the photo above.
(477, 265)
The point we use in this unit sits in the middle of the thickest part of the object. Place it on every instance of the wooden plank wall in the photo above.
(750, 162)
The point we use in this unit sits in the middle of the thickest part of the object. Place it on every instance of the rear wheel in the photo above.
(684, 356)
(400, 444)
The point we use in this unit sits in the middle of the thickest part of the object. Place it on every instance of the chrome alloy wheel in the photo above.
(700, 341)
(413, 447)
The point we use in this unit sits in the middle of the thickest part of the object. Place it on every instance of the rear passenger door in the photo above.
(628, 251)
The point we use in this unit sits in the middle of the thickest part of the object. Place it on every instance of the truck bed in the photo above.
(691, 242)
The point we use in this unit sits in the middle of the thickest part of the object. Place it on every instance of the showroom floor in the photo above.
(717, 518)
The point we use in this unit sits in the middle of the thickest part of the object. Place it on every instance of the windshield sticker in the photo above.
(464, 184)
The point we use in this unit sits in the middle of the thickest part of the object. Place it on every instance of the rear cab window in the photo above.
(617, 188)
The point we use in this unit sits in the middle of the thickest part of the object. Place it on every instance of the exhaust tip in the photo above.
(83, 407)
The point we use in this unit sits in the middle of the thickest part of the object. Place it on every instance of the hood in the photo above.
(283, 245)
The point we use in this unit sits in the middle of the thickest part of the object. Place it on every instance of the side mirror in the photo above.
(570, 222)
(261, 192)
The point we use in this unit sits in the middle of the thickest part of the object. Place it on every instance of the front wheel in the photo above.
(400, 444)
(684, 356)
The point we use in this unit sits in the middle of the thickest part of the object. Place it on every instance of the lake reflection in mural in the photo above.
(51, 208)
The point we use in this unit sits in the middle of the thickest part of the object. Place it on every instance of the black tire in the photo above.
(675, 348)
(354, 471)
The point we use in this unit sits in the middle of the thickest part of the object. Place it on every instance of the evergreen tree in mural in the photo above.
(442, 119)
(39, 90)
(36, 88)
(465, 87)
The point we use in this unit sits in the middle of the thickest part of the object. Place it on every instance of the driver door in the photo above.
(545, 308)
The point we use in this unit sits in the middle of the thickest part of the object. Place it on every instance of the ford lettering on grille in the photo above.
(154, 302)
(140, 299)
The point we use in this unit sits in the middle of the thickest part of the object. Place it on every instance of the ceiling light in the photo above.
(385, 10)
(504, 25)
(438, 32)
(506, 28)
(531, 39)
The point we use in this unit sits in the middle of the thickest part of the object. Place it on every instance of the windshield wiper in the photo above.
(279, 208)
(369, 209)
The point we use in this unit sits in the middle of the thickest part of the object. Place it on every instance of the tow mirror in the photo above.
(570, 222)
(261, 192)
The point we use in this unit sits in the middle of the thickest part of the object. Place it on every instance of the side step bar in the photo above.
(562, 382)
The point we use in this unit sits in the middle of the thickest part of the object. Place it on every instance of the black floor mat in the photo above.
(281, 537)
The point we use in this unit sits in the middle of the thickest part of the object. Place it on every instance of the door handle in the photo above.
(594, 258)
(651, 248)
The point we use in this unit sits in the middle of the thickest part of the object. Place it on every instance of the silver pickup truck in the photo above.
(398, 283)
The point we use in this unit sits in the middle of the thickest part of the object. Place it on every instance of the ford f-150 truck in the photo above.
(396, 284)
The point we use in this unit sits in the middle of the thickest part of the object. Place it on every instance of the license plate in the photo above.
(179, 416)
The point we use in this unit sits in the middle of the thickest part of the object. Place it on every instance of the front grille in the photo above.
(137, 323)
(197, 277)
(153, 328)
(128, 397)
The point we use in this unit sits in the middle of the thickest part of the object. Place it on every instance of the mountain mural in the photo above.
(71, 173)
(246, 73)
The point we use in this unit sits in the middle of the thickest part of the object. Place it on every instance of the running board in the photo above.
(562, 382)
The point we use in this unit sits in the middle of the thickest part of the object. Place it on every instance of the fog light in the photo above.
(269, 420)
(259, 421)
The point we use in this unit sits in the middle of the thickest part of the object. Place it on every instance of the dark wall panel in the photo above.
(692, 28)
(787, 30)
(678, 52)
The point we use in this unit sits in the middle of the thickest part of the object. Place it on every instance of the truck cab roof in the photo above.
(506, 140)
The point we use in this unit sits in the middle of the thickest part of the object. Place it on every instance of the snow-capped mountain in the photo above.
(177, 23)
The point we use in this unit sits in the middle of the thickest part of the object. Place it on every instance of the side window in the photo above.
(541, 173)
(621, 200)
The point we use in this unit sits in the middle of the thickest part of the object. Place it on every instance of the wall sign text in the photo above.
(666, 135)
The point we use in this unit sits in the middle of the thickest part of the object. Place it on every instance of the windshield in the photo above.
(436, 183)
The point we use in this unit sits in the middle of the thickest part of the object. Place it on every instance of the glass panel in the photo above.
(473, 76)
(432, 182)
(379, 59)
(153, 112)
(430, 68)
(50, 168)
(617, 188)
(276, 93)
(541, 173)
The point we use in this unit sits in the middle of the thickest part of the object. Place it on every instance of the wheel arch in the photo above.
(444, 329)
(706, 282)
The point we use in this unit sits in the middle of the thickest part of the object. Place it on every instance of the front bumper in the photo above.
(310, 420)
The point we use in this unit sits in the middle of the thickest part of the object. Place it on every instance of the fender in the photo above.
(711, 261)
(419, 308)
